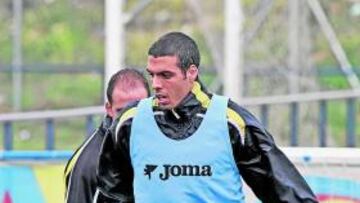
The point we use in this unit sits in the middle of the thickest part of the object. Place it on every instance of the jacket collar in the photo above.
(196, 100)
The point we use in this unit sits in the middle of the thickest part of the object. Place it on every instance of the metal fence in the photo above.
(293, 102)
(48, 117)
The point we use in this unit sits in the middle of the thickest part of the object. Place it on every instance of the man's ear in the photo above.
(192, 72)
(108, 108)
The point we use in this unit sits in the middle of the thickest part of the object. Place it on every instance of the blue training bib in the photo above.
(200, 168)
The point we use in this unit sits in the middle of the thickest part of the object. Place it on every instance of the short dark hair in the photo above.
(177, 44)
(128, 76)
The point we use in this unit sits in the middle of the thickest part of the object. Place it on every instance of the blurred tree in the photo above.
(62, 32)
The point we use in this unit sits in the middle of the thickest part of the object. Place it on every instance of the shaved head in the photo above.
(127, 85)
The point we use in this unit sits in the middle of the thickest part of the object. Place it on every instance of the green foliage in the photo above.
(334, 82)
(337, 112)
(205, 55)
(207, 78)
(5, 45)
(137, 46)
(338, 13)
(61, 91)
(5, 91)
(83, 90)
(351, 45)
(58, 33)
(337, 118)
(158, 14)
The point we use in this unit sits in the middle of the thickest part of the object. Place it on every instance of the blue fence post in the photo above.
(8, 136)
(350, 127)
(322, 123)
(90, 125)
(264, 115)
(294, 124)
(50, 134)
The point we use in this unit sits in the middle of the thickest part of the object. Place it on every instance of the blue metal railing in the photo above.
(293, 101)
(294, 124)
(264, 103)
(322, 123)
(50, 134)
(49, 117)
(351, 118)
(8, 135)
(46, 155)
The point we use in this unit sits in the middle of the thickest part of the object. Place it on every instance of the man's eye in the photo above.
(166, 75)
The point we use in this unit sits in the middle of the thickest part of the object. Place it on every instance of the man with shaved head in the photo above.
(124, 87)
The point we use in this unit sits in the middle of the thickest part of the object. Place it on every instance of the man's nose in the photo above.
(156, 82)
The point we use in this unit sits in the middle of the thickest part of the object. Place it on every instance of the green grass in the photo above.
(61, 91)
(28, 135)
(71, 133)
(337, 121)
(52, 91)
(31, 135)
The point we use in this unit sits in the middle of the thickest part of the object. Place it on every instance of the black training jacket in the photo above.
(269, 173)
(80, 171)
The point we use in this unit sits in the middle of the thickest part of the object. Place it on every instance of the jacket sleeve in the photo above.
(263, 166)
(115, 174)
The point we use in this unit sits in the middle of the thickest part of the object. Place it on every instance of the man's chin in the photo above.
(165, 106)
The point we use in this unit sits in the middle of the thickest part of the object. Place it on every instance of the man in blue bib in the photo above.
(188, 145)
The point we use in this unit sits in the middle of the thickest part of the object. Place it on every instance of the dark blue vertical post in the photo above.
(264, 115)
(8, 136)
(350, 127)
(322, 123)
(90, 125)
(294, 124)
(50, 134)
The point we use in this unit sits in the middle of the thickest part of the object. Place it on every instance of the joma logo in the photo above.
(183, 170)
